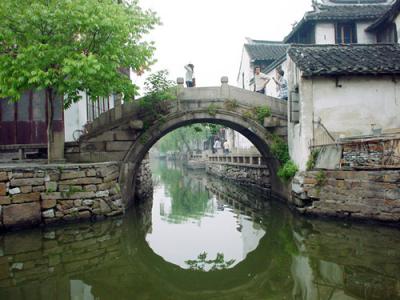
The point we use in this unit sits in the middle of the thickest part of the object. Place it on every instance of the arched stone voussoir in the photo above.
(251, 129)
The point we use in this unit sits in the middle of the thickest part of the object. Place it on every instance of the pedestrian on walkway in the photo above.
(217, 146)
(281, 84)
(189, 75)
(226, 147)
(260, 81)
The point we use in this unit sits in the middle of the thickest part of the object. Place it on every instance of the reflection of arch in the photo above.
(256, 133)
(146, 269)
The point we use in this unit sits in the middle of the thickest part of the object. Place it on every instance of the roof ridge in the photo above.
(341, 45)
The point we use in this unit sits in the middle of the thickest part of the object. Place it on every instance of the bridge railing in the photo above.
(227, 92)
(196, 97)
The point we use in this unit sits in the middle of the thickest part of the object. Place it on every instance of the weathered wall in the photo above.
(373, 195)
(346, 110)
(75, 117)
(44, 194)
(245, 174)
(245, 68)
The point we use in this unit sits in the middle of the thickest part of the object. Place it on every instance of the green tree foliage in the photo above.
(183, 138)
(64, 47)
(204, 265)
(189, 198)
(158, 89)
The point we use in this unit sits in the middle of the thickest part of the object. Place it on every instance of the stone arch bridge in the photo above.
(127, 132)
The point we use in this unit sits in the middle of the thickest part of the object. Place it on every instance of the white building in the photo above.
(351, 90)
(82, 112)
(263, 54)
(339, 22)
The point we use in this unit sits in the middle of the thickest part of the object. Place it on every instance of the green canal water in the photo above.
(202, 238)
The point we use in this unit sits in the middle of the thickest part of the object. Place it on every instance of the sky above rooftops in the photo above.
(211, 33)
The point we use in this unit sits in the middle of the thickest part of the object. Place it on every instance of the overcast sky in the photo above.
(211, 33)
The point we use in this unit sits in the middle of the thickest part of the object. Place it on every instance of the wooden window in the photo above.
(346, 33)
(388, 35)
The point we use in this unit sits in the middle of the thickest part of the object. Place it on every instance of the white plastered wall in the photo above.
(246, 69)
(346, 111)
(324, 33)
(75, 118)
(364, 37)
(397, 22)
(271, 86)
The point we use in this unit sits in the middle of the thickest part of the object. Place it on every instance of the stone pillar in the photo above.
(179, 90)
(224, 87)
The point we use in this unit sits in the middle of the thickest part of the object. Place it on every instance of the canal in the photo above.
(202, 238)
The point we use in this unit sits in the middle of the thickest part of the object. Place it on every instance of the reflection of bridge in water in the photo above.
(296, 259)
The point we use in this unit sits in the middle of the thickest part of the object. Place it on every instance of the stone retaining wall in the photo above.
(373, 195)
(245, 174)
(44, 194)
(371, 153)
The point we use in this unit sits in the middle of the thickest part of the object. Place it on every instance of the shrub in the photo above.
(321, 178)
(280, 149)
(288, 170)
(231, 105)
(312, 160)
(262, 112)
(212, 110)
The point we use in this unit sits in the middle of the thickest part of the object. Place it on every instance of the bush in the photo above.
(280, 149)
(261, 113)
(288, 170)
(312, 160)
(231, 105)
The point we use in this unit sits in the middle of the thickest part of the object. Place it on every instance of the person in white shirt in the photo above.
(189, 75)
(260, 81)
(217, 146)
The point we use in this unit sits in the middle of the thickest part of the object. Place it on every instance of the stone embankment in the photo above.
(371, 195)
(248, 175)
(46, 194)
(244, 168)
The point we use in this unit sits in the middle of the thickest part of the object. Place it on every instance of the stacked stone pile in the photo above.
(51, 194)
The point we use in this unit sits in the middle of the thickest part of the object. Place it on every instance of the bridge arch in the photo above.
(249, 128)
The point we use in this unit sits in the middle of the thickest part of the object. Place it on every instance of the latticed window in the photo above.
(346, 33)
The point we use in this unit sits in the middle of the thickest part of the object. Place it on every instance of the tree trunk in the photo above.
(50, 136)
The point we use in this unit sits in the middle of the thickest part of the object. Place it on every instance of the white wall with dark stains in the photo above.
(75, 118)
(347, 108)
(246, 72)
(325, 33)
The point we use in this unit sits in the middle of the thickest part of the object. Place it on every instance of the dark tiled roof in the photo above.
(358, 1)
(341, 13)
(325, 60)
(348, 12)
(386, 18)
(266, 50)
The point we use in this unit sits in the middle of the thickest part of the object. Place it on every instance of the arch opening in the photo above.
(254, 132)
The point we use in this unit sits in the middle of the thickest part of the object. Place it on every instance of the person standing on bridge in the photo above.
(281, 84)
(189, 75)
(260, 81)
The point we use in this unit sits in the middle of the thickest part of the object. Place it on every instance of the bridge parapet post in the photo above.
(224, 87)
(179, 90)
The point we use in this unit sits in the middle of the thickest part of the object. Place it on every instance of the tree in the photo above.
(67, 46)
